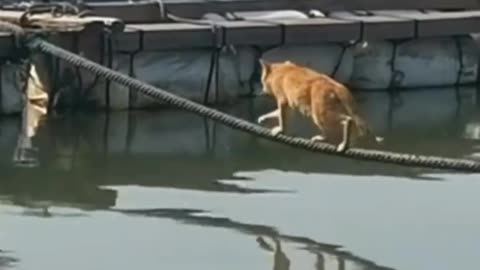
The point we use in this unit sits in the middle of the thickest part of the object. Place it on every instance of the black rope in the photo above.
(240, 124)
(393, 70)
(461, 64)
(345, 46)
(394, 77)
(339, 61)
(211, 71)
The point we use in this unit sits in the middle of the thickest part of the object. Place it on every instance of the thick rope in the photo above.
(236, 123)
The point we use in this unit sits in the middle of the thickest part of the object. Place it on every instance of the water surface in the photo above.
(167, 189)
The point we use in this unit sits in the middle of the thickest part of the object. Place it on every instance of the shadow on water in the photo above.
(166, 148)
(281, 260)
(6, 261)
(79, 155)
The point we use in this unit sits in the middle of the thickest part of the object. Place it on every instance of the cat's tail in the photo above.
(351, 107)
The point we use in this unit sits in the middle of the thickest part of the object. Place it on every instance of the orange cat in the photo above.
(329, 103)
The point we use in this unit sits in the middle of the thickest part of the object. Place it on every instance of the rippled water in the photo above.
(166, 189)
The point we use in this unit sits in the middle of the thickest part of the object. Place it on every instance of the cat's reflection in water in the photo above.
(280, 259)
(320, 263)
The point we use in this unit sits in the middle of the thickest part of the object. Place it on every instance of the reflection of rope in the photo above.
(131, 127)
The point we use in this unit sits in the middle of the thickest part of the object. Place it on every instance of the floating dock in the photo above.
(184, 46)
(343, 21)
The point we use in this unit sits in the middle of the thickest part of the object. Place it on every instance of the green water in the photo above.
(169, 190)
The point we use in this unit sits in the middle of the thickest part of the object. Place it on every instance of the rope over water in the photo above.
(38, 44)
